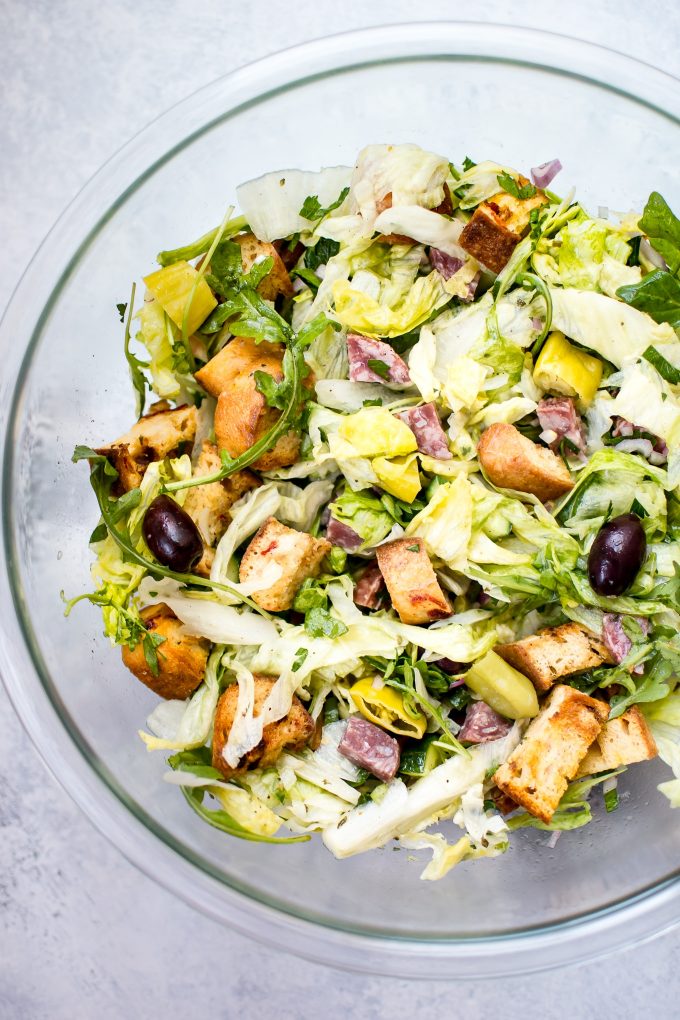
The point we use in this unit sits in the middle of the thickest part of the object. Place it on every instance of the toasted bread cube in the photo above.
(511, 461)
(554, 653)
(278, 280)
(242, 415)
(540, 768)
(497, 226)
(298, 555)
(208, 505)
(411, 581)
(159, 433)
(288, 734)
(621, 741)
(181, 657)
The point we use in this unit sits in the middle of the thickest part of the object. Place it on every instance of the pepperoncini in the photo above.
(375, 432)
(502, 687)
(562, 368)
(172, 289)
(398, 476)
(385, 707)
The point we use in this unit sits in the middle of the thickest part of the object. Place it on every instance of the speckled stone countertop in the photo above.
(82, 933)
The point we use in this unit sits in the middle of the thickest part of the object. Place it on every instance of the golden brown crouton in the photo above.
(208, 505)
(555, 652)
(277, 281)
(411, 581)
(159, 433)
(288, 734)
(621, 741)
(538, 771)
(497, 226)
(511, 461)
(242, 415)
(297, 554)
(181, 657)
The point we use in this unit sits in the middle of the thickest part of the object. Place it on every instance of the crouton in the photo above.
(540, 768)
(621, 741)
(411, 581)
(242, 415)
(288, 734)
(497, 226)
(554, 653)
(209, 505)
(181, 657)
(297, 554)
(511, 461)
(274, 283)
(159, 433)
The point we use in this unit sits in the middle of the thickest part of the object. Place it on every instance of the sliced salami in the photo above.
(424, 423)
(483, 724)
(363, 349)
(370, 748)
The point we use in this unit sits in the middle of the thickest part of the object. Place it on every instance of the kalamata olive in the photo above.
(616, 555)
(171, 535)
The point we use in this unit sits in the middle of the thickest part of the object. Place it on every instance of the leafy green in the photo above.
(611, 800)
(299, 659)
(657, 294)
(201, 246)
(313, 210)
(323, 250)
(513, 187)
(662, 227)
(311, 279)
(365, 514)
(135, 366)
(399, 510)
(121, 308)
(379, 367)
(123, 623)
(219, 819)
(312, 600)
(572, 812)
(320, 623)
(667, 371)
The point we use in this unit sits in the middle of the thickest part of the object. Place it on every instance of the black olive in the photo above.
(171, 535)
(616, 555)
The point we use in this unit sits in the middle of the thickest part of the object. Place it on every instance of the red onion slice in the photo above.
(542, 175)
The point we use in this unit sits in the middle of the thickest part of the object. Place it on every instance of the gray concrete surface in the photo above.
(82, 933)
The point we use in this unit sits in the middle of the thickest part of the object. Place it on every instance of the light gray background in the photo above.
(82, 933)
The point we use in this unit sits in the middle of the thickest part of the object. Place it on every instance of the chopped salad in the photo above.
(397, 541)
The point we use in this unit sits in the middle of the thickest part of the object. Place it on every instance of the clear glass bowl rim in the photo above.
(595, 934)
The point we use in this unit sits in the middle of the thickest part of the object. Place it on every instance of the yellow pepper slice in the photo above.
(398, 476)
(503, 687)
(375, 432)
(172, 288)
(562, 368)
(385, 707)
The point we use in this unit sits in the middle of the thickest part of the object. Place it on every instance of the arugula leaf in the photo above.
(122, 307)
(314, 211)
(220, 819)
(275, 393)
(513, 187)
(611, 800)
(667, 371)
(662, 227)
(126, 625)
(379, 367)
(468, 163)
(657, 294)
(203, 244)
(139, 383)
(310, 278)
(323, 250)
(99, 534)
(400, 511)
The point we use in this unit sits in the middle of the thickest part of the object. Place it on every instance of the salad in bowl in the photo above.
(395, 535)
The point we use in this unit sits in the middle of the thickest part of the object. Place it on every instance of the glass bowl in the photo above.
(517, 96)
